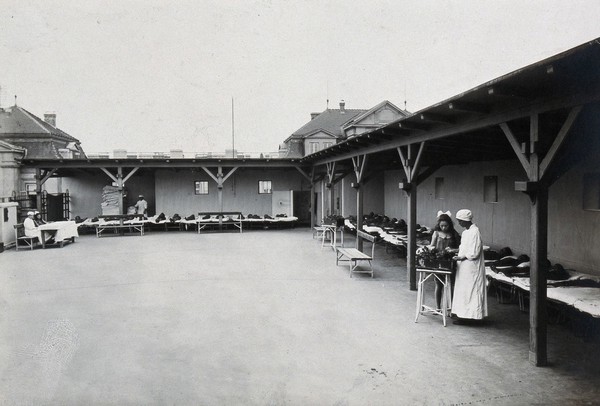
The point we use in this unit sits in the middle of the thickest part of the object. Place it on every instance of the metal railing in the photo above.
(179, 154)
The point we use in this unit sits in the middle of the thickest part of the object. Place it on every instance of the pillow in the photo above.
(491, 255)
(557, 273)
(504, 252)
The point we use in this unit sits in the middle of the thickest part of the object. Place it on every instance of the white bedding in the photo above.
(584, 299)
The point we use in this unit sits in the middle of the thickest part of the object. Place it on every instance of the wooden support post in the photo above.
(38, 189)
(410, 163)
(330, 179)
(359, 216)
(536, 188)
(538, 319)
(313, 195)
(359, 163)
(220, 187)
(120, 188)
(411, 248)
(219, 180)
(322, 200)
(313, 207)
(331, 200)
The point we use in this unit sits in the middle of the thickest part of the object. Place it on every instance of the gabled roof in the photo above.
(330, 121)
(318, 131)
(16, 120)
(372, 110)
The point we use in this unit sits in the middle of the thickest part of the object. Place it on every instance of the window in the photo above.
(201, 187)
(591, 191)
(327, 144)
(30, 188)
(490, 189)
(314, 147)
(264, 187)
(439, 188)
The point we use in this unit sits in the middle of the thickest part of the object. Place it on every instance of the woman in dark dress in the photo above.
(444, 239)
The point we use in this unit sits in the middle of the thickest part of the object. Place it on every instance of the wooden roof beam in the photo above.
(495, 143)
(507, 92)
(393, 132)
(376, 138)
(467, 107)
(384, 137)
(456, 153)
(86, 171)
(396, 131)
(405, 125)
(340, 145)
(360, 142)
(471, 143)
(435, 118)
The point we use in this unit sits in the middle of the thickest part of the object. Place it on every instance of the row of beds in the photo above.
(135, 224)
(575, 298)
(391, 232)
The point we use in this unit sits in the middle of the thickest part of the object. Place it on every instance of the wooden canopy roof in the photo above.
(466, 127)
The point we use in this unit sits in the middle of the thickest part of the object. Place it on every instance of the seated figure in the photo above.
(32, 230)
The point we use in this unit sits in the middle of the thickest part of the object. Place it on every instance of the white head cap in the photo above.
(447, 213)
(30, 213)
(464, 215)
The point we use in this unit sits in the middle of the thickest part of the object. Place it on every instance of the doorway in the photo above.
(302, 207)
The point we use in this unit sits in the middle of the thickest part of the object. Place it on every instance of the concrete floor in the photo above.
(259, 318)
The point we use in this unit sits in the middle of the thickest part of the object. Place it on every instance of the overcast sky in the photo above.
(160, 75)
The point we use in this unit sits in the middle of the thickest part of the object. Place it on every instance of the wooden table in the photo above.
(63, 231)
(331, 230)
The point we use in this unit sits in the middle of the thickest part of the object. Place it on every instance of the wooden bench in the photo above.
(353, 256)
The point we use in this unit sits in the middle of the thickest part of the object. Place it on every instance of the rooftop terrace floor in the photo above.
(259, 318)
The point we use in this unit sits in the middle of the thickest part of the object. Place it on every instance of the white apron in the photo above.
(31, 229)
(470, 298)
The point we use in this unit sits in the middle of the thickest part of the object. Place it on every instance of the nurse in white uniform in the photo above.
(470, 298)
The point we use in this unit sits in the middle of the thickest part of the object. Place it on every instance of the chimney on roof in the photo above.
(314, 115)
(50, 118)
(342, 107)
